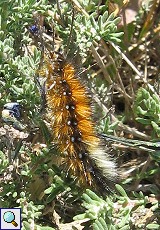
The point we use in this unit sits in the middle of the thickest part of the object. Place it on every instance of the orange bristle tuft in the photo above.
(72, 125)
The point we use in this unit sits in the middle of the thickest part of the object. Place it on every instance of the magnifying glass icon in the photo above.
(9, 217)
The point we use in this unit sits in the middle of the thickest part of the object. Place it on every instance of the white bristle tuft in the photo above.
(104, 161)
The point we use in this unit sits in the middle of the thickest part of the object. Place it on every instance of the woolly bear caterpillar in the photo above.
(73, 127)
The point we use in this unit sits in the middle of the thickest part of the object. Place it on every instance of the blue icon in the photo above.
(9, 217)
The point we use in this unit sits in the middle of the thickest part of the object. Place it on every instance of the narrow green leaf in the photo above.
(105, 16)
(141, 111)
(100, 23)
(93, 22)
(26, 225)
(103, 223)
(93, 196)
(153, 226)
(111, 17)
(143, 121)
(121, 190)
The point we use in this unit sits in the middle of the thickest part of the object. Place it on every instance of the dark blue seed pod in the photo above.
(33, 29)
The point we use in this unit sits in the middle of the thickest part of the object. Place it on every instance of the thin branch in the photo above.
(121, 126)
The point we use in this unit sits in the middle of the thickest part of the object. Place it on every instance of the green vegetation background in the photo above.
(120, 63)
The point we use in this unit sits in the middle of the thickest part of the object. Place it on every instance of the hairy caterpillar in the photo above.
(72, 125)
